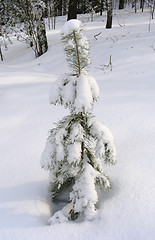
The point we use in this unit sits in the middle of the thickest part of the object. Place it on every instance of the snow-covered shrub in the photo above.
(78, 146)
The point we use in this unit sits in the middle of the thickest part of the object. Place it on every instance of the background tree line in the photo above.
(25, 18)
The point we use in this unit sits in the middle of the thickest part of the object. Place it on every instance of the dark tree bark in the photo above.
(135, 6)
(152, 9)
(101, 8)
(0, 45)
(1, 54)
(121, 4)
(109, 14)
(59, 7)
(42, 45)
(142, 5)
(72, 9)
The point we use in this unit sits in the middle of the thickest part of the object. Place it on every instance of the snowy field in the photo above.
(126, 105)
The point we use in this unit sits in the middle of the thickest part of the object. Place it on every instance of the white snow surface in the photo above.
(126, 105)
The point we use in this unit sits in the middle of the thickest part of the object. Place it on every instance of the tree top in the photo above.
(70, 26)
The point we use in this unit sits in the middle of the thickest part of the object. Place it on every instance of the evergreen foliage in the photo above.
(78, 146)
(76, 48)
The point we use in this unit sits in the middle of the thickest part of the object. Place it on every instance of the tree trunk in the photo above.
(101, 9)
(142, 5)
(0, 45)
(1, 54)
(49, 13)
(72, 9)
(153, 8)
(121, 4)
(109, 14)
(135, 6)
(42, 44)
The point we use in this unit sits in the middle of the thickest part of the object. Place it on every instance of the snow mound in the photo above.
(70, 26)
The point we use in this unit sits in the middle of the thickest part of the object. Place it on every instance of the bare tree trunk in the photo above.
(109, 14)
(1, 54)
(142, 5)
(135, 6)
(0, 45)
(72, 9)
(153, 7)
(54, 14)
(41, 38)
(49, 13)
(121, 4)
(101, 8)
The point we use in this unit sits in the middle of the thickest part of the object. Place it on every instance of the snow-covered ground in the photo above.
(126, 105)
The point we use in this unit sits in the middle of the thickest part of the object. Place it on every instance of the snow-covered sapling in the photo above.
(79, 145)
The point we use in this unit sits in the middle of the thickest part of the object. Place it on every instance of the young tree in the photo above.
(79, 145)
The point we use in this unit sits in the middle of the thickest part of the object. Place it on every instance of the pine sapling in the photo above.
(79, 145)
